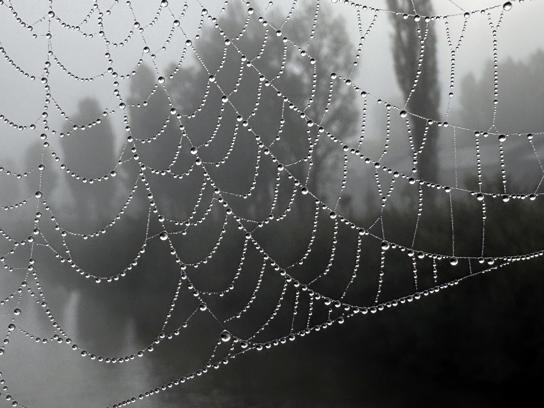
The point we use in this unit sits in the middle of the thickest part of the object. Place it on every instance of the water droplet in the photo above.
(507, 6)
(225, 336)
(163, 236)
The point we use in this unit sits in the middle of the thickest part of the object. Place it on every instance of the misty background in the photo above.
(476, 345)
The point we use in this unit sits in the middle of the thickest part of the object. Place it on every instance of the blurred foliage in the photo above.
(416, 67)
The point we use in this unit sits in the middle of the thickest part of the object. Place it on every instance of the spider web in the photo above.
(281, 179)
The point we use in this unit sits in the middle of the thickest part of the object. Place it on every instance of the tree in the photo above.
(425, 98)
(332, 52)
(90, 153)
(519, 110)
(517, 86)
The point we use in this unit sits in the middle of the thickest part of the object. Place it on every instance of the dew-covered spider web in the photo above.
(233, 184)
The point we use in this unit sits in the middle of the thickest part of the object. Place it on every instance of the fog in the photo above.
(166, 224)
